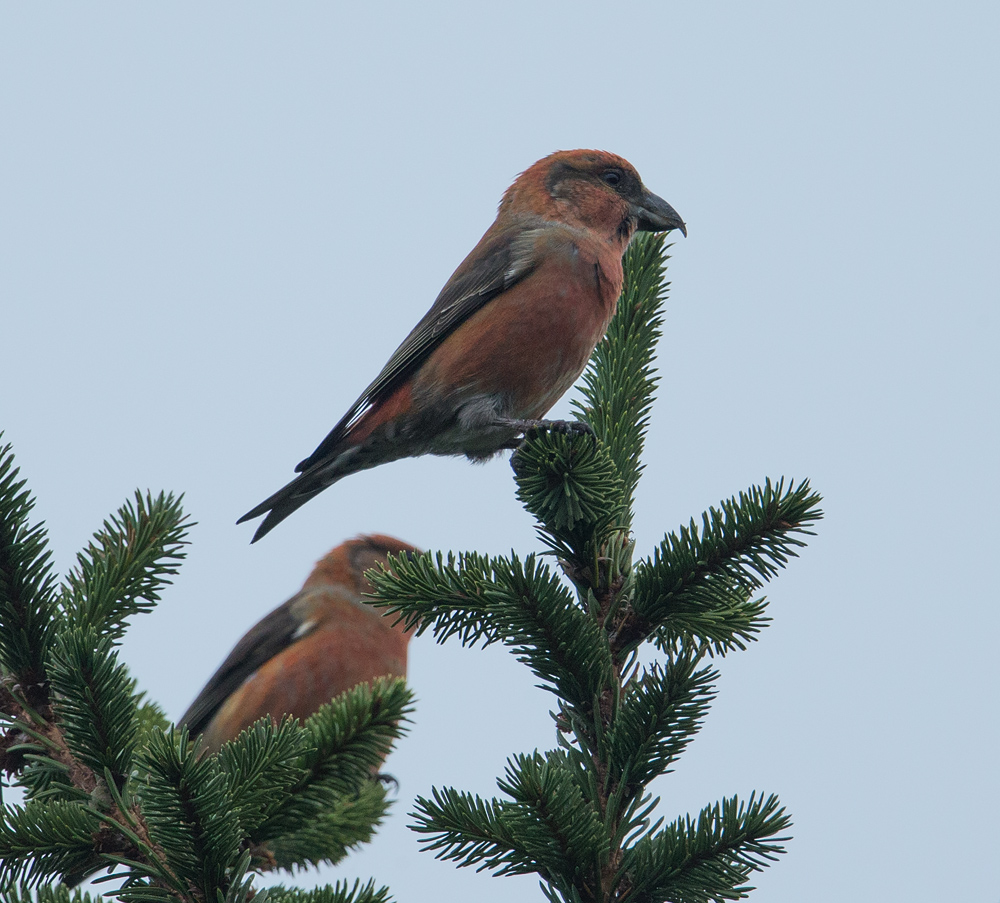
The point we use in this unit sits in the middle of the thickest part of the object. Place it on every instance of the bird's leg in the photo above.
(568, 427)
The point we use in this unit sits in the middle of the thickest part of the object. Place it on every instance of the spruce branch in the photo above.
(142, 890)
(344, 745)
(45, 893)
(523, 603)
(340, 892)
(349, 737)
(548, 631)
(27, 588)
(724, 619)
(43, 841)
(698, 583)
(44, 763)
(618, 385)
(42, 776)
(469, 830)
(553, 820)
(189, 814)
(443, 594)
(110, 785)
(581, 817)
(262, 767)
(546, 827)
(659, 715)
(127, 564)
(573, 488)
(344, 823)
(94, 702)
(708, 860)
(140, 886)
(241, 889)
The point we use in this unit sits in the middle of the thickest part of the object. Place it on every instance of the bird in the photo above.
(510, 332)
(325, 640)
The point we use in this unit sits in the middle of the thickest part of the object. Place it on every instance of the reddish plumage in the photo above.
(322, 642)
(510, 332)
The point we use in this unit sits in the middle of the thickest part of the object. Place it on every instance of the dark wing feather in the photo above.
(269, 636)
(495, 264)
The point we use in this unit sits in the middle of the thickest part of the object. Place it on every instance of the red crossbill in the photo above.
(510, 332)
(323, 641)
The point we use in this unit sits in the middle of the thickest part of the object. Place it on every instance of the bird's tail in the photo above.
(348, 448)
(286, 500)
(312, 482)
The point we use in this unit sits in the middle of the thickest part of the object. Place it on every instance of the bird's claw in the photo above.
(565, 427)
(387, 780)
(580, 427)
(534, 428)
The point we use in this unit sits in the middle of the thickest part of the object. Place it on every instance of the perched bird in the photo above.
(510, 332)
(323, 641)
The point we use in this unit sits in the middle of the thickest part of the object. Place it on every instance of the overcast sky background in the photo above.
(218, 221)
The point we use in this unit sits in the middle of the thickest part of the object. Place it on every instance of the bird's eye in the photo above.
(612, 177)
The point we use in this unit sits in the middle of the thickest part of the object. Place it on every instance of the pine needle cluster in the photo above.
(581, 816)
(109, 786)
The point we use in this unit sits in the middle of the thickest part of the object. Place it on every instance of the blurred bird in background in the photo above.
(510, 332)
(322, 642)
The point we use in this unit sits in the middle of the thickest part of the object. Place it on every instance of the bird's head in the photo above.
(344, 567)
(591, 189)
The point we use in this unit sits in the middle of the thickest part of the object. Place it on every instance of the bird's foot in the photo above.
(387, 780)
(533, 427)
(566, 427)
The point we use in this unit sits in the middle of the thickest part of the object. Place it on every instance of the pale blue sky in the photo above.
(218, 221)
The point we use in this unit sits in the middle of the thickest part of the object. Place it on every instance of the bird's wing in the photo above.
(499, 261)
(269, 636)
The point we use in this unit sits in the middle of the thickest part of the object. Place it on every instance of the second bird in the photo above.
(510, 332)
(322, 642)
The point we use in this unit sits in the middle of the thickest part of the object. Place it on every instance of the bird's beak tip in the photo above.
(655, 215)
